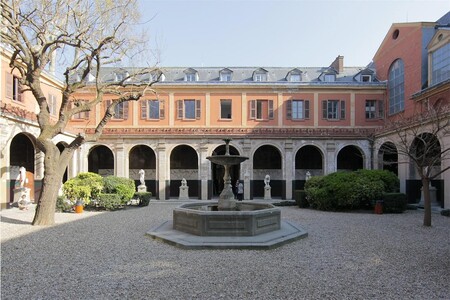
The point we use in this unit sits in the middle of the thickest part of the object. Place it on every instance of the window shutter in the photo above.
(19, 90)
(270, 109)
(198, 111)
(125, 110)
(306, 109)
(179, 109)
(86, 113)
(342, 110)
(161, 109)
(380, 109)
(9, 85)
(289, 110)
(252, 104)
(144, 105)
(324, 109)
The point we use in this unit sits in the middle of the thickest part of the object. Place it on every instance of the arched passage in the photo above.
(350, 158)
(22, 154)
(101, 161)
(184, 164)
(143, 157)
(388, 157)
(218, 171)
(267, 161)
(308, 159)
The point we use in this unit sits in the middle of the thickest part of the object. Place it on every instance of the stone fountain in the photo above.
(226, 223)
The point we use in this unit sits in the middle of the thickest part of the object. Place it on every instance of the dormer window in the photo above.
(329, 78)
(260, 75)
(366, 78)
(225, 75)
(190, 75)
(121, 76)
(294, 75)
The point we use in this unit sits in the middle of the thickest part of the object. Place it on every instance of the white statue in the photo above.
(267, 180)
(183, 182)
(22, 177)
(308, 176)
(142, 176)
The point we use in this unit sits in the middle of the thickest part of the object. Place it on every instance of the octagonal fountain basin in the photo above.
(252, 225)
(204, 219)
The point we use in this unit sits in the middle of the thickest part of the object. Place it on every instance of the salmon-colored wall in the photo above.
(263, 96)
(236, 111)
(332, 96)
(408, 47)
(299, 96)
(360, 109)
(152, 122)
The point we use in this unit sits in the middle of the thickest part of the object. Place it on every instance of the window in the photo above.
(225, 76)
(188, 109)
(120, 111)
(225, 109)
(440, 66)
(190, 77)
(396, 85)
(295, 78)
(51, 101)
(333, 109)
(17, 89)
(84, 115)
(374, 109)
(261, 109)
(329, 77)
(366, 78)
(152, 109)
(297, 109)
(260, 77)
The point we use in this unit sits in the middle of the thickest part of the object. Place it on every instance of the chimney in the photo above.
(338, 64)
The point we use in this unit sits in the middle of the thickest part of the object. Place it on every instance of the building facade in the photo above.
(287, 121)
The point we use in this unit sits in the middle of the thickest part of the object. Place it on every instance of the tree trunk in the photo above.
(426, 202)
(45, 210)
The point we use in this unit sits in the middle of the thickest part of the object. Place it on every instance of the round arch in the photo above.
(350, 158)
(184, 164)
(22, 153)
(101, 160)
(143, 157)
(309, 158)
(388, 157)
(218, 171)
(267, 160)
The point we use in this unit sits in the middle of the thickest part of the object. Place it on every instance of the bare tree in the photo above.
(87, 36)
(417, 139)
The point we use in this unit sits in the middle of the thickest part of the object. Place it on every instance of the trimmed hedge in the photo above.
(124, 187)
(394, 202)
(109, 201)
(144, 198)
(300, 198)
(349, 190)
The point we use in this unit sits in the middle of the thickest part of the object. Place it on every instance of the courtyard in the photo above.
(106, 255)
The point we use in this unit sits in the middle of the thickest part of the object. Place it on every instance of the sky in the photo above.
(276, 33)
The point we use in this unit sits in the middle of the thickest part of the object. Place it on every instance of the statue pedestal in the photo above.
(142, 188)
(22, 197)
(184, 193)
(267, 193)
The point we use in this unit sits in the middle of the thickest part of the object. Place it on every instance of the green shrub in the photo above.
(109, 201)
(344, 190)
(124, 187)
(391, 183)
(63, 204)
(394, 202)
(144, 198)
(84, 187)
(300, 198)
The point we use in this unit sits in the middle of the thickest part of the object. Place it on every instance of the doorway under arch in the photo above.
(143, 157)
(308, 158)
(184, 164)
(350, 158)
(101, 161)
(267, 161)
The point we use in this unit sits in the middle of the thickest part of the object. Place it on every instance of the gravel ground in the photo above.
(106, 255)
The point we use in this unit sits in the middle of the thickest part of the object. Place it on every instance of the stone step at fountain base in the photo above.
(287, 233)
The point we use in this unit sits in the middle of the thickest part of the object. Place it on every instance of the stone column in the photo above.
(162, 169)
(120, 159)
(246, 169)
(330, 160)
(288, 170)
(205, 167)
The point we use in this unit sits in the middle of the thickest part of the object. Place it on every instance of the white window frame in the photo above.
(333, 110)
(223, 102)
(297, 109)
(181, 109)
